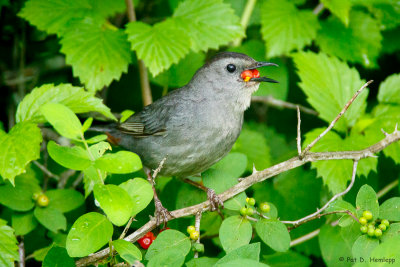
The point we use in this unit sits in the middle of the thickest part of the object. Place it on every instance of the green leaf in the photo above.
(284, 28)
(390, 209)
(8, 245)
(51, 218)
(320, 73)
(388, 250)
(62, 119)
(243, 262)
(336, 173)
(17, 148)
(392, 231)
(23, 223)
(389, 90)
(339, 8)
(88, 234)
(208, 23)
(75, 158)
(333, 246)
(363, 246)
(250, 251)
(41, 253)
(234, 163)
(75, 98)
(140, 192)
(98, 52)
(86, 125)
(220, 181)
(274, 234)
(287, 259)
(96, 139)
(201, 262)
(360, 42)
(126, 114)
(53, 16)
(64, 200)
(254, 145)
(58, 256)
(97, 150)
(120, 162)
(91, 177)
(256, 50)
(367, 200)
(235, 231)
(19, 197)
(386, 12)
(159, 46)
(127, 251)
(188, 195)
(115, 202)
(169, 249)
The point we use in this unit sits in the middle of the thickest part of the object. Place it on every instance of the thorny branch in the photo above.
(259, 176)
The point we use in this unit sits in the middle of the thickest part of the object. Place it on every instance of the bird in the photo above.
(193, 127)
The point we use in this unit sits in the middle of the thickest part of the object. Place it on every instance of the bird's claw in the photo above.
(161, 213)
(214, 199)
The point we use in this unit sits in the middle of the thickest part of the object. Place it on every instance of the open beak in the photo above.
(259, 65)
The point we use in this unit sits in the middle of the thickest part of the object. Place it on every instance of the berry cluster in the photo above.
(372, 228)
(41, 199)
(248, 211)
(194, 235)
(248, 74)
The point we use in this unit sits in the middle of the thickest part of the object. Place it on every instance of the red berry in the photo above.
(145, 242)
(247, 75)
(150, 235)
(256, 74)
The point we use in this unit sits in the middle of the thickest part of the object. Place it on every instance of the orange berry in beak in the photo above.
(256, 73)
(247, 75)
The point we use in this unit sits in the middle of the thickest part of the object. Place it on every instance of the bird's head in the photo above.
(232, 76)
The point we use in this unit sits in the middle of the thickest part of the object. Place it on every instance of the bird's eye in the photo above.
(231, 67)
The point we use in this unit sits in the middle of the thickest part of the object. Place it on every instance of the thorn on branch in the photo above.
(385, 133)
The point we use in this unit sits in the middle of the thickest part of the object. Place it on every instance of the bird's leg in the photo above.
(161, 213)
(214, 199)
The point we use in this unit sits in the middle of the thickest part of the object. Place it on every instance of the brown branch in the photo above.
(46, 171)
(317, 213)
(298, 139)
(251, 180)
(144, 76)
(270, 101)
(335, 119)
(21, 252)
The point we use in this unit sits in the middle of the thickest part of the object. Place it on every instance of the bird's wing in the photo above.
(151, 120)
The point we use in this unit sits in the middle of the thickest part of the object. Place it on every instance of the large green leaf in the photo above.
(360, 42)
(64, 200)
(235, 232)
(389, 90)
(141, 193)
(115, 202)
(285, 28)
(53, 16)
(8, 245)
(333, 246)
(19, 196)
(234, 163)
(75, 98)
(169, 249)
(120, 162)
(329, 84)
(367, 200)
(62, 119)
(160, 45)
(75, 157)
(51, 218)
(208, 23)
(127, 251)
(363, 246)
(274, 234)
(250, 251)
(88, 234)
(98, 53)
(17, 148)
(388, 250)
(390, 209)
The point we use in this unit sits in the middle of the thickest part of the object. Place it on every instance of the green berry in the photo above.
(249, 211)
(43, 201)
(198, 247)
(364, 229)
(243, 211)
(385, 222)
(378, 232)
(194, 235)
(371, 226)
(251, 201)
(363, 220)
(265, 207)
(190, 229)
(367, 215)
(371, 232)
(382, 227)
(36, 195)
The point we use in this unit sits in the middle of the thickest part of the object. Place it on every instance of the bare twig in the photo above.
(298, 139)
(78, 180)
(128, 225)
(21, 251)
(305, 238)
(318, 9)
(317, 213)
(387, 188)
(269, 100)
(336, 119)
(46, 171)
(144, 76)
(160, 166)
(244, 21)
(197, 226)
(251, 180)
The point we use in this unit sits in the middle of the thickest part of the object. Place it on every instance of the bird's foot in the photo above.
(215, 200)
(162, 214)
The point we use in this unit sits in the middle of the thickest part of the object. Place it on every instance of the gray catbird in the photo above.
(195, 126)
